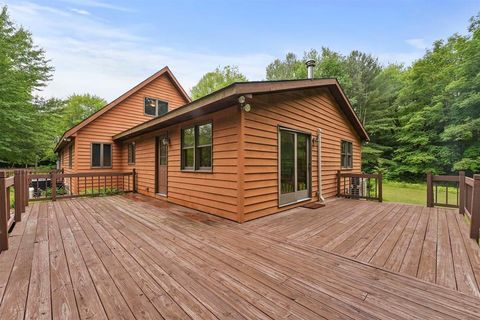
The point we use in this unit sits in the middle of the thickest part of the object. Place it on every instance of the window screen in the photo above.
(197, 147)
(101, 155)
(131, 153)
(70, 156)
(96, 149)
(150, 107)
(346, 159)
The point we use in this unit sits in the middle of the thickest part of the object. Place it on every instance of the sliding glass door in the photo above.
(294, 166)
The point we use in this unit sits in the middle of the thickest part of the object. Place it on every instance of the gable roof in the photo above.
(228, 96)
(164, 71)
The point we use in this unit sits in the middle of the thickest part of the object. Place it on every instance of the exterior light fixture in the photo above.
(241, 99)
(247, 107)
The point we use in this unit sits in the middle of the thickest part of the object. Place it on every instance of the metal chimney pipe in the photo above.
(310, 65)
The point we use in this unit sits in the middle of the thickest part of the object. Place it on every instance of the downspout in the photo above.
(319, 168)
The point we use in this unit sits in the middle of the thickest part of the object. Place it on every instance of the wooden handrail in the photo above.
(19, 182)
(367, 186)
(468, 197)
(3, 212)
(475, 209)
(66, 185)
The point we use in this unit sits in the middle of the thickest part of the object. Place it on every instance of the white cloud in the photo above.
(417, 43)
(80, 11)
(99, 4)
(91, 55)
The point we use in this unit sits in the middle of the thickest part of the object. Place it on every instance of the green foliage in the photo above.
(31, 126)
(425, 117)
(215, 80)
(23, 69)
(355, 72)
(77, 107)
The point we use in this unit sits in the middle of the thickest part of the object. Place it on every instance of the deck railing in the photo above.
(25, 186)
(466, 194)
(68, 185)
(359, 186)
(8, 217)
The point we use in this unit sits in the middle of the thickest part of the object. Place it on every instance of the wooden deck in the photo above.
(118, 258)
(431, 244)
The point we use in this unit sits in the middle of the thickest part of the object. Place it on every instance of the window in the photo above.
(131, 153)
(70, 156)
(346, 160)
(155, 107)
(101, 155)
(197, 147)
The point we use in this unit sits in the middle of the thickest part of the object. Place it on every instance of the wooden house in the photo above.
(245, 151)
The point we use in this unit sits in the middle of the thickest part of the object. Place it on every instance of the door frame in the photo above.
(279, 165)
(157, 164)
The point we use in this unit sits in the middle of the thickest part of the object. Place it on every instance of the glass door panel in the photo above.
(302, 162)
(287, 163)
(294, 163)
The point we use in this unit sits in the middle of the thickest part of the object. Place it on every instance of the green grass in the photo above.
(415, 193)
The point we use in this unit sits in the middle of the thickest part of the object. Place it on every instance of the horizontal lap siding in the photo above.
(302, 111)
(127, 114)
(214, 192)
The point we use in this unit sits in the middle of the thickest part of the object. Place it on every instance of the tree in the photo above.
(355, 72)
(382, 121)
(78, 107)
(23, 69)
(217, 79)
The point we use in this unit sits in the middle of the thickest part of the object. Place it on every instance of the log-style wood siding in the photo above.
(125, 115)
(214, 192)
(306, 111)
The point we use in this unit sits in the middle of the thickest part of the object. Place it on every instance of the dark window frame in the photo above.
(131, 153)
(346, 155)
(157, 107)
(196, 148)
(70, 156)
(102, 162)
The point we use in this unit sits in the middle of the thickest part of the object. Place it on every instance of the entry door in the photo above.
(162, 166)
(294, 165)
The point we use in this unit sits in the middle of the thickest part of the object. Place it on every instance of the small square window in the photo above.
(155, 107)
(197, 147)
(101, 155)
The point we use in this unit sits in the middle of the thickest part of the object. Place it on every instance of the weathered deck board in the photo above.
(427, 243)
(119, 258)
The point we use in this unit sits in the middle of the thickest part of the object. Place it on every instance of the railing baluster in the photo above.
(3, 213)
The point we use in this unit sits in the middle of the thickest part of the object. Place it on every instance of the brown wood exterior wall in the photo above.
(304, 111)
(127, 114)
(244, 182)
(213, 192)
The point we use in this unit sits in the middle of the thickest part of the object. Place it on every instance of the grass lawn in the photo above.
(415, 193)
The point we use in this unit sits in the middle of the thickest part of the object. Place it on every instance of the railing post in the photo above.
(338, 183)
(17, 184)
(134, 183)
(461, 192)
(475, 221)
(53, 180)
(429, 189)
(380, 188)
(27, 187)
(3, 213)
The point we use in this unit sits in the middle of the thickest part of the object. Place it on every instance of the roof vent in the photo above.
(310, 65)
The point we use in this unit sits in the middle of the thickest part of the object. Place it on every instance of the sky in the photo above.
(105, 48)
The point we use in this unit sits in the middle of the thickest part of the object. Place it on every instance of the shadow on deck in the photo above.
(132, 257)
